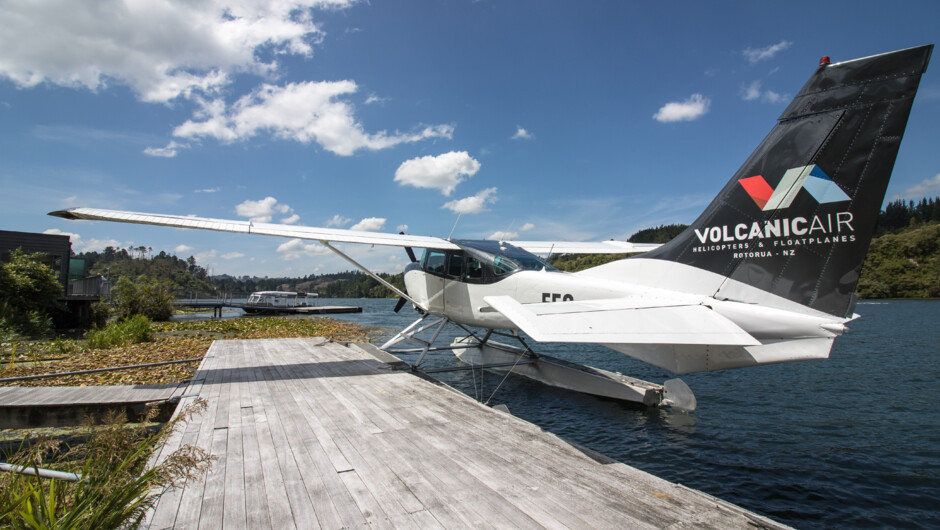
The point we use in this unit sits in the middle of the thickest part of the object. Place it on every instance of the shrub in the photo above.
(29, 294)
(143, 296)
(134, 330)
(100, 312)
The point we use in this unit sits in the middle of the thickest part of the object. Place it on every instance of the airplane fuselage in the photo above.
(441, 285)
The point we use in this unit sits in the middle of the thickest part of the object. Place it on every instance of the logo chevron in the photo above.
(811, 178)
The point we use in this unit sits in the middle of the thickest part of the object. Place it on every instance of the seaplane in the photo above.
(766, 274)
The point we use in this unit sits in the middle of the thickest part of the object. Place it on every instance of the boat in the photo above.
(276, 302)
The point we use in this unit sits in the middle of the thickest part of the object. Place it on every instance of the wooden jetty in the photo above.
(313, 434)
(63, 406)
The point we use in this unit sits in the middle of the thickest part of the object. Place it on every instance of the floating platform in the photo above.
(302, 310)
(217, 308)
(313, 434)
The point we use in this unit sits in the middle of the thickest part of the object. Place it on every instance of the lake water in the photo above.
(852, 441)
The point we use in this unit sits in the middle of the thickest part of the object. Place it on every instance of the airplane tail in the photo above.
(797, 218)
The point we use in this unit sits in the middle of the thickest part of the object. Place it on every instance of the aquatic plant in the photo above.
(116, 482)
(133, 330)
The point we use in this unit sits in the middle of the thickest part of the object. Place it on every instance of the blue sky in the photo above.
(536, 120)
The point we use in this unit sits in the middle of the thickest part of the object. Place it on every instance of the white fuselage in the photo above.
(786, 331)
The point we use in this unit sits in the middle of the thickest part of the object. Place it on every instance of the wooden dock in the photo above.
(61, 406)
(312, 434)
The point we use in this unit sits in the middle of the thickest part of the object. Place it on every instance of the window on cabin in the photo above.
(474, 269)
(455, 264)
(434, 261)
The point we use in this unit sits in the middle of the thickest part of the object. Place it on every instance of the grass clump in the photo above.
(117, 485)
(133, 330)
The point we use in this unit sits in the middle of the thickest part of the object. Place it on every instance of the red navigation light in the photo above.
(824, 60)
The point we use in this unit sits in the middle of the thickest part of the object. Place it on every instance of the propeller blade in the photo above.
(411, 253)
(400, 304)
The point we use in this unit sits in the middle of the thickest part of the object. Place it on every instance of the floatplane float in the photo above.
(766, 274)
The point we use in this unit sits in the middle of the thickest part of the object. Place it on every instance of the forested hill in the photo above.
(904, 258)
(904, 264)
(183, 276)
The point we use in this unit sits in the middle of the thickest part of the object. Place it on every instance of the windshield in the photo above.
(504, 257)
(504, 265)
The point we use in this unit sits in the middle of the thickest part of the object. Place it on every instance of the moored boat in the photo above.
(275, 301)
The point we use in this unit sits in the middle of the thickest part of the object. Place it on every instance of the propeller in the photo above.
(411, 256)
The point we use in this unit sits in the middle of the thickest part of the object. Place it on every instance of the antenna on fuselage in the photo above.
(455, 227)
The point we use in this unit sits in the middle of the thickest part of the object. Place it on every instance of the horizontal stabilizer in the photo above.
(622, 321)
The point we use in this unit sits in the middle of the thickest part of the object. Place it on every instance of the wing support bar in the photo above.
(375, 276)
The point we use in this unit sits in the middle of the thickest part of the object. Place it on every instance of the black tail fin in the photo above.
(797, 218)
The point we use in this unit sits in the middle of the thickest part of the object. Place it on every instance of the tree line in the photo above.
(898, 214)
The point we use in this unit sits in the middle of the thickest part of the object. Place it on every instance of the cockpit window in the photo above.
(532, 263)
(504, 265)
(434, 261)
(481, 261)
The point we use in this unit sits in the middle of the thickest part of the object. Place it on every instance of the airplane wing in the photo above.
(268, 229)
(622, 321)
(337, 235)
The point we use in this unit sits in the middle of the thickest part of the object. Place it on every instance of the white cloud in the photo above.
(522, 134)
(508, 235)
(97, 245)
(474, 204)
(402, 228)
(182, 249)
(80, 245)
(929, 186)
(164, 152)
(691, 109)
(262, 211)
(503, 235)
(338, 221)
(753, 92)
(443, 172)
(208, 190)
(56, 232)
(370, 224)
(232, 255)
(297, 248)
(304, 112)
(162, 50)
(203, 257)
(171, 50)
(761, 54)
(290, 220)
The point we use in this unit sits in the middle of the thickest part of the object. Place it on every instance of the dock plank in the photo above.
(311, 434)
